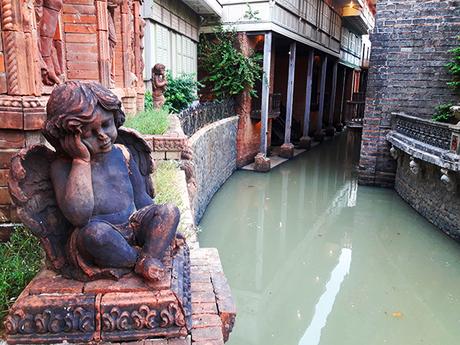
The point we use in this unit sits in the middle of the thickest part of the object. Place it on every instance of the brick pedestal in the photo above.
(305, 143)
(319, 135)
(171, 312)
(287, 151)
(52, 309)
(262, 163)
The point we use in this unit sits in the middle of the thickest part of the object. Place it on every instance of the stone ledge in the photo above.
(425, 152)
(426, 140)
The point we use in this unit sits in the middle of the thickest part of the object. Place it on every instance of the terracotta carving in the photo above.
(159, 84)
(47, 14)
(111, 6)
(90, 200)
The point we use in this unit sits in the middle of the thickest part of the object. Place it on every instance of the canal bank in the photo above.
(313, 258)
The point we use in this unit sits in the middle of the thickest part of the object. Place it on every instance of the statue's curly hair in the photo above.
(72, 105)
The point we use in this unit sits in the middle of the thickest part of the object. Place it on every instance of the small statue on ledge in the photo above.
(90, 201)
(159, 84)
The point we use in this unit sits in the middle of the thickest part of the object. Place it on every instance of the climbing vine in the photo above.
(228, 71)
(443, 111)
(454, 67)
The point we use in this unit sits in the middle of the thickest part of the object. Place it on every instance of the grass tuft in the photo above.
(153, 121)
(165, 184)
(168, 191)
(21, 258)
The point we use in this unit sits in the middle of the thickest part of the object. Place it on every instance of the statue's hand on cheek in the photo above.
(75, 148)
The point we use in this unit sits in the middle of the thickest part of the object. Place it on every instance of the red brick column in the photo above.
(248, 137)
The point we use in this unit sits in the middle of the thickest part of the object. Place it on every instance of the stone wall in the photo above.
(214, 157)
(409, 51)
(428, 195)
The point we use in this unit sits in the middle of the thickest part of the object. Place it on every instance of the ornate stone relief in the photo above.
(394, 153)
(448, 180)
(414, 166)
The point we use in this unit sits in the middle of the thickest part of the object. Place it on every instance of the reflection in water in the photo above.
(285, 238)
(324, 306)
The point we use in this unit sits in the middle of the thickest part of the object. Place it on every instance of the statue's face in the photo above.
(99, 135)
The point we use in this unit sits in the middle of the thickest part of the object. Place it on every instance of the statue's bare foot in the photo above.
(150, 268)
(178, 242)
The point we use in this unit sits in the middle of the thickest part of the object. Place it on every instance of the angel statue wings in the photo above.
(90, 199)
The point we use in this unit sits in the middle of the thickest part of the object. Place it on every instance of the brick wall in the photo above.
(407, 74)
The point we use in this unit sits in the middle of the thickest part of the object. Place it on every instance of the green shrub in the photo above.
(153, 121)
(21, 258)
(454, 67)
(443, 113)
(148, 101)
(229, 71)
(180, 92)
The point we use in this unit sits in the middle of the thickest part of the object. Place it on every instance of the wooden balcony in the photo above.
(358, 17)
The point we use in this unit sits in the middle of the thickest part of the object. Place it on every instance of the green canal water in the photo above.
(314, 259)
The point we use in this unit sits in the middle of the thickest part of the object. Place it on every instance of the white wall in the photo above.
(171, 37)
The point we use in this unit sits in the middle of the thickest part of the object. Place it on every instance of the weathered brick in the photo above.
(4, 196)
(209, 333)
(206, 320)
(5, 158)
(204, 308)
(4, 177)
(10, 139)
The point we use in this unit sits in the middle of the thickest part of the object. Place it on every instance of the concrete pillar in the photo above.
(262, 162)
(319, 133)
(287, 149)
(305, 140)
(330, 131)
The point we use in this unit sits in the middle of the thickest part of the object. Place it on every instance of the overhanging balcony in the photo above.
(358, 17)
(205, 7)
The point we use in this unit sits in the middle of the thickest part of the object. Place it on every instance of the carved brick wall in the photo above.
(77, 35)
(407, 74)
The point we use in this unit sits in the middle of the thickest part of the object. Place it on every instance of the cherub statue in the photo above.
(90, 200)
(159, 84)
